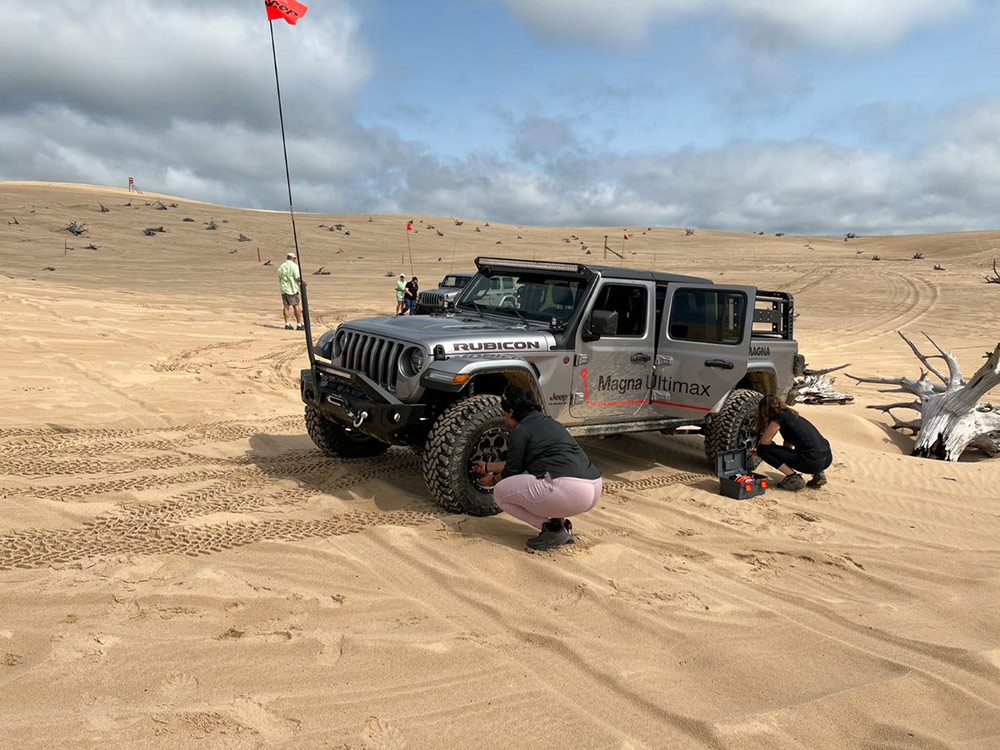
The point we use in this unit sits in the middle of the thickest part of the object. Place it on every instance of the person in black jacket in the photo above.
(804, 449)
(546, 478)
(410, 294)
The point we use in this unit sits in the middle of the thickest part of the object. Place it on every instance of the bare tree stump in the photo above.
(951, 417)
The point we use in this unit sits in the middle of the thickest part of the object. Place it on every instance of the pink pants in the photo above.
(535, 500)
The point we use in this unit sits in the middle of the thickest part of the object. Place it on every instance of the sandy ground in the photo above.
(181, 568)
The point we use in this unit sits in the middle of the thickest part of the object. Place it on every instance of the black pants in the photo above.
(776, 455)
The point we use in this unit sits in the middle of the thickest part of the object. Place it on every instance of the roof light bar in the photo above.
(531, 265)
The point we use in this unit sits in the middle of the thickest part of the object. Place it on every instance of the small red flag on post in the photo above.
(290, 10)
(409, 226)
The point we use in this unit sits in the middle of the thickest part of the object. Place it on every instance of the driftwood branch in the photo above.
(951, 417)
(995, 279)
(827, 371)
(814, 387)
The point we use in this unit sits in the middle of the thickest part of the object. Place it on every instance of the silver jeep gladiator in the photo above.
(605, 351)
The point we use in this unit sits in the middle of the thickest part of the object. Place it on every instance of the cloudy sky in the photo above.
(811, 116)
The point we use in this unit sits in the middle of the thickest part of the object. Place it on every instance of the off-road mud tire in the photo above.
(452, 445)
(336, 439)
(733, 427)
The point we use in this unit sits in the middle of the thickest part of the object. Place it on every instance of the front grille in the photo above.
(376, 357)
(432, 299)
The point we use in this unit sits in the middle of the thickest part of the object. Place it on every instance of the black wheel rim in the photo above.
(490, 447)
(746, 436)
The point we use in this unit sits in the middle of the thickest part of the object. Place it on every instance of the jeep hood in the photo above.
(456, 333)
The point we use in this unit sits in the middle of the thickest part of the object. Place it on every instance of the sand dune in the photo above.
(181, 568)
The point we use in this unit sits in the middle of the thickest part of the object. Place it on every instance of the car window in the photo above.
(629, 301)
(536, 296)
(711, 315)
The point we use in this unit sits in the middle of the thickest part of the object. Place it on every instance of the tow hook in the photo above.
(360, 420)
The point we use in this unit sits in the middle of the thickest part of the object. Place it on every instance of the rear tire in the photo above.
(337, 439)
(734, 427)
(469, 430)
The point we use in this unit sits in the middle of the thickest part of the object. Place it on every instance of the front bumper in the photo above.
(352, 398)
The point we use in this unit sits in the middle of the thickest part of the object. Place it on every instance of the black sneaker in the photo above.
(288, 326)
(793, 482)
(553, 534)
(300, 327)
(568, 525)
(818, 480)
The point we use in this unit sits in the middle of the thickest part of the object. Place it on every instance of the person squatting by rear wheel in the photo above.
(546, 478)
(805, 450)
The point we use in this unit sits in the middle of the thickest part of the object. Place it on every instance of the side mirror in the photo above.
(601, 323)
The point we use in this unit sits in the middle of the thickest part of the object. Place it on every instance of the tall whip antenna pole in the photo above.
(291, 208)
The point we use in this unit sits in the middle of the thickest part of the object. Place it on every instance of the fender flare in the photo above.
(454, 374)
(761, 378)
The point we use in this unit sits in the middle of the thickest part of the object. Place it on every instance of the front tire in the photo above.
(340, 440)
(734, 427)
(469, 430)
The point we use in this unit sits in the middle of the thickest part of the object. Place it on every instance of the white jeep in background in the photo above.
(442, 298)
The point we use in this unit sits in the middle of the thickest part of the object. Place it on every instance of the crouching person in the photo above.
(546, 478)
(804, 449)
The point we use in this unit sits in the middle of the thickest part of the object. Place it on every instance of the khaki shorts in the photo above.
(290, 299)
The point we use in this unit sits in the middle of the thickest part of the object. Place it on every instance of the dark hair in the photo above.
(520, 401)
(768, 407)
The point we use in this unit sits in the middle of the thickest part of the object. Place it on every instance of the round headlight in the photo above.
(324, 347)
(338, 343)
(417, 360)
(411, 362)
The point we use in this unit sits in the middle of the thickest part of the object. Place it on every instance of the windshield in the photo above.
(455, 282)
(535, 296)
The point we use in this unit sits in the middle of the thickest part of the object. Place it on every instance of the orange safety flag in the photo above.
(290, 10)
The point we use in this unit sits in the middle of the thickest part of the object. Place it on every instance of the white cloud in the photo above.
(837, 24)
(181, 96)
(149, 62)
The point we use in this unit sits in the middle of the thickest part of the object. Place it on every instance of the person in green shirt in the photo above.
(401, 294)
(290, 279)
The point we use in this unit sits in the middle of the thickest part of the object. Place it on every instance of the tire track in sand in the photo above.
(127, 463)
